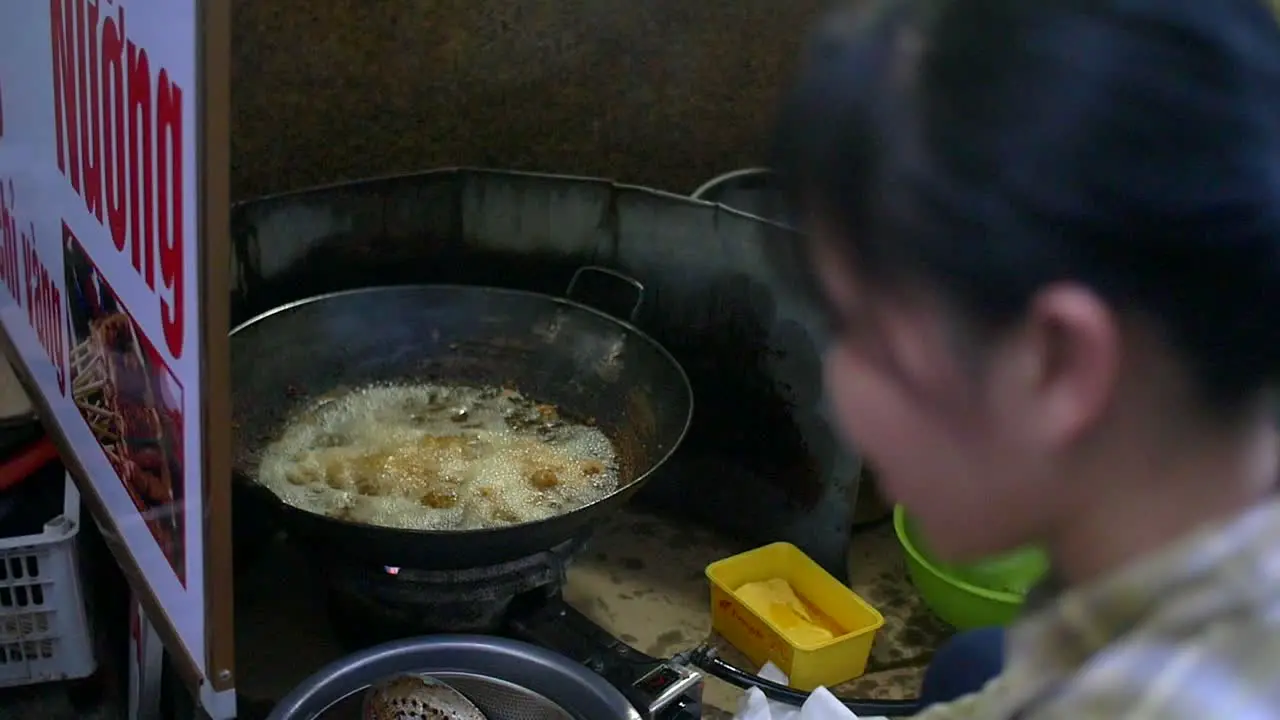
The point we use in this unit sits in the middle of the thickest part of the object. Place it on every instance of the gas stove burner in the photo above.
(520, 599)
(370, 605)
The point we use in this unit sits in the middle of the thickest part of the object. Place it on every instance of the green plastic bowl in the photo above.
(988, 593)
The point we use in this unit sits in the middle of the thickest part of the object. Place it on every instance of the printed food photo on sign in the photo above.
(131, 401)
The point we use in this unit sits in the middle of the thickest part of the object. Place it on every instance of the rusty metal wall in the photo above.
(722, 294)
(662, 93)
(665, 93)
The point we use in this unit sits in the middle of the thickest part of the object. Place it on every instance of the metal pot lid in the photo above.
(506, 679)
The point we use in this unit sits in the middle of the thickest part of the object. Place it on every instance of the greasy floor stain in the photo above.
(669, 643)
(661, 607)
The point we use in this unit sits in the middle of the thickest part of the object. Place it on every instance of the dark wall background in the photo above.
(666, 93)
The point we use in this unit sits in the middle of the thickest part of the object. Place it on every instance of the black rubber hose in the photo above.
(716, 667)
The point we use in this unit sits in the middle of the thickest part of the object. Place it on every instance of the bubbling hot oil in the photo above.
(437, 457)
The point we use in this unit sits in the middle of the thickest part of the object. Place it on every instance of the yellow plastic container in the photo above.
(838, 660)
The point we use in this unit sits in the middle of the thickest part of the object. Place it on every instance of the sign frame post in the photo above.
(214, 77)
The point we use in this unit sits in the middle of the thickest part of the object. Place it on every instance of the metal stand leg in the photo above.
(146, 660)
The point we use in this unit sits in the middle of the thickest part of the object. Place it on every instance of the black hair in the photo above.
(987, 148)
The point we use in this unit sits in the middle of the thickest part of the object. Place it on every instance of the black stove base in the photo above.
(358, 624)
(521, 600)
(370, 605)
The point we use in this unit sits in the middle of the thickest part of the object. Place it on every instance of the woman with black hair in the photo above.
(1048, 232)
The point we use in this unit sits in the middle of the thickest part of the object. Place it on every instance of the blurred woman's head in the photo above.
(1049, 236)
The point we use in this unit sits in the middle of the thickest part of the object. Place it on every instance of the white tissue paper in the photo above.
(821, 705)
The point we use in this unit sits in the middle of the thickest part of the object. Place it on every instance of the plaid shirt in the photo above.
(1192, 633)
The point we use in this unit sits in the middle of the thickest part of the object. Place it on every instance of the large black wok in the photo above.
(553, 350)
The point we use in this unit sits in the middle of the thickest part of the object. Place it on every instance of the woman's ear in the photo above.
(1070, 351)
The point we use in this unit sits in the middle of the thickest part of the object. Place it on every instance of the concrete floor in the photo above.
(641, 579)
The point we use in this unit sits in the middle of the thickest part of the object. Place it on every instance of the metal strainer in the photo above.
(502, 700)
(503, 680)
(457, 696)
(417, 697)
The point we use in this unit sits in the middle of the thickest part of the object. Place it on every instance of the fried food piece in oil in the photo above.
(370, 485)
(415, 470)
(303, 475)
(439, 498)
(503, 515)
(444, 443)
(544, 479)
(361, 472)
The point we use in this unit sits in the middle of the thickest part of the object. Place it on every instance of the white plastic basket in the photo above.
(44, 626)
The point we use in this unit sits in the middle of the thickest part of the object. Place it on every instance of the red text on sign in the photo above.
(27, 280)
(44, 306)
(9, 243)
(119, 127)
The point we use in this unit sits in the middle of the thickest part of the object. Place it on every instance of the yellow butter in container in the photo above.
(776, 604)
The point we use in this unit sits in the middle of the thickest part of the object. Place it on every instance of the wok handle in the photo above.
(635, 284)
